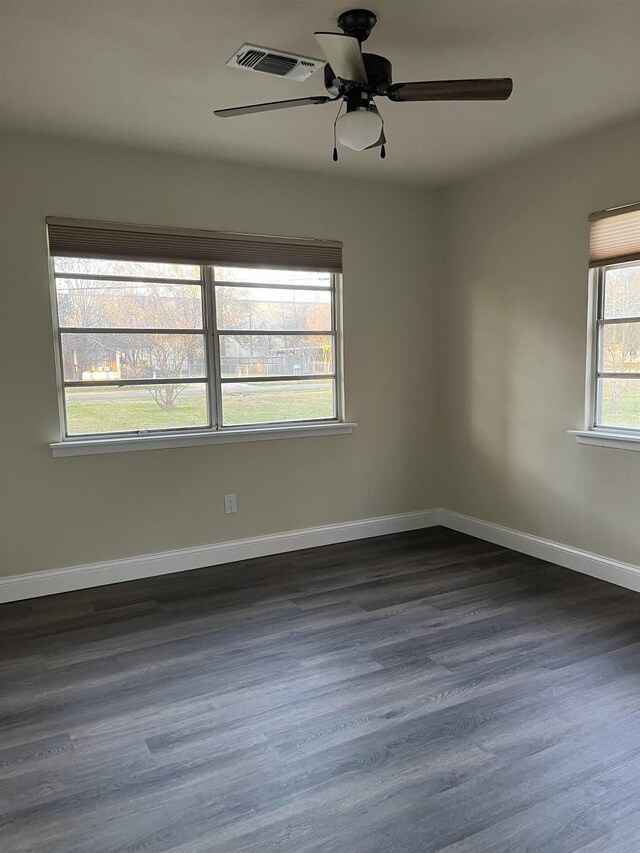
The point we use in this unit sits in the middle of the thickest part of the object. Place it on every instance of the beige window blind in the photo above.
(615, 236)
(80, 238)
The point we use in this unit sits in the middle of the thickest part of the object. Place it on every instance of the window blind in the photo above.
(615, 236)
(79, 238)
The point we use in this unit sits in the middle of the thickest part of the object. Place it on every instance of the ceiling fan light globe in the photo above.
(359, 129)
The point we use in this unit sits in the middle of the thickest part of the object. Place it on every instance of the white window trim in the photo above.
(164, 439)
(622, 439)
(606, 438)
(229, 435)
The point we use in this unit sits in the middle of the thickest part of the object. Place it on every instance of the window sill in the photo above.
(606, 438)
(89, 447)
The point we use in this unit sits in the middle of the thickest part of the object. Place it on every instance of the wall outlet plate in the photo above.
(230, 504)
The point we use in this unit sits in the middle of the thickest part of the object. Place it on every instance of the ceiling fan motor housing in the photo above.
(378, 76)
(357, 23)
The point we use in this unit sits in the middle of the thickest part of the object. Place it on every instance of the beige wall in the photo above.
(514, 305)
(479, 294)
(70, 511)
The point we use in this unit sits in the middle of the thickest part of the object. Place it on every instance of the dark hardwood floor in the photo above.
(419, 692)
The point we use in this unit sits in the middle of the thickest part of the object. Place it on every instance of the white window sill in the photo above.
(90, 446)
(606, 438)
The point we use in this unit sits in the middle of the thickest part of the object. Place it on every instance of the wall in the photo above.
(70, 511)
(514, 305)
(480, 295)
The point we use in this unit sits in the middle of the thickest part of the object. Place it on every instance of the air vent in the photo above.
(274, 62)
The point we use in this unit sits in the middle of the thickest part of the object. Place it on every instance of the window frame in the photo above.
(336, 376)
(626, 438)
(215, 430)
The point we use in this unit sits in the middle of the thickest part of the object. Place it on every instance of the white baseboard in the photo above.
(622, 574)
(35, 584)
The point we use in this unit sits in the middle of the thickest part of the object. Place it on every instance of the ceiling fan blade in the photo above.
(343, 55)
(496, 89)
(273, 105)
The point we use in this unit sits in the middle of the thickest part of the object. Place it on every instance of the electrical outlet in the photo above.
(230, 504)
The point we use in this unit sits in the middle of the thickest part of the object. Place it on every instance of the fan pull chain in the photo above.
(383, 150)
(335, 142)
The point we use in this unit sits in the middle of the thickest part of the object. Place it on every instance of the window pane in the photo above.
(275, 355)
(128, 304)
(619, 403)
(97, 410)
(94, 356)
(137, 269)
(260, 276)
(620, 348)
(268, 402)
(622, 292)
(266, 308)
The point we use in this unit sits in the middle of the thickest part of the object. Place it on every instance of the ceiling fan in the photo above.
(357, 78)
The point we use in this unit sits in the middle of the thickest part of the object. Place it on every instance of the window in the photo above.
(165, 347)
(275, 345)
(617, 348)
(613, 382)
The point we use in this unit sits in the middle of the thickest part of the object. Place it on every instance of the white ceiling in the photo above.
(150, 72)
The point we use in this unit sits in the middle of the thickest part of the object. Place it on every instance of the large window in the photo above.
(162, 347)
(614, 364)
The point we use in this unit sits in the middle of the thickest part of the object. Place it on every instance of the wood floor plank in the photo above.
(414, 693)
